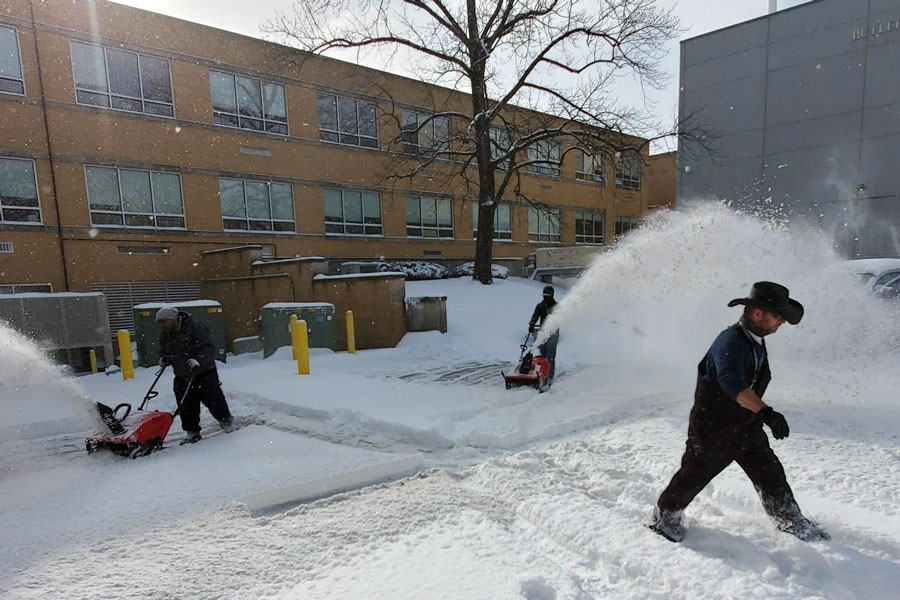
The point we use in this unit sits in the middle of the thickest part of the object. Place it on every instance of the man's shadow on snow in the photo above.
(836, 568)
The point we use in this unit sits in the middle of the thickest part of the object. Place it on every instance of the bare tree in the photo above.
(538, 74)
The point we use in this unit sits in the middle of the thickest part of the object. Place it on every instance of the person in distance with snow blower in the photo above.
(186, 345)
(726, 421)
(541, 312)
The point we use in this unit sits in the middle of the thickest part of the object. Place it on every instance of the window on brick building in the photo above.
(11, 79)
(626, 224)
(123, 80)
(424, 133)
(347, 121)
(547, 154)
(628, 171)
(248, 103)
(429, 216)
(543, 224)
(589, 167)
(589, 227)
(249, 205)
(18, 192)
(352, 212)
(502, 221)
(134, 198)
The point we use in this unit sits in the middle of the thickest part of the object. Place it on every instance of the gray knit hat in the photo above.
(167, 313)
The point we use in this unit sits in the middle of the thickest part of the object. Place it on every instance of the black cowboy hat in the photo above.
(773, 298)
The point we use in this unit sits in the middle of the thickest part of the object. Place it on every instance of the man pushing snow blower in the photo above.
(536, 371)
(186, 345)
(538, 318)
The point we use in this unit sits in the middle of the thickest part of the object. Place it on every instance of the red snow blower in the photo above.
(140, 434)
(531, 370)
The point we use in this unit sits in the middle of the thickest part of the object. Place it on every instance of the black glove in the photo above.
(776, 422)
(165, 361)
(530, 328)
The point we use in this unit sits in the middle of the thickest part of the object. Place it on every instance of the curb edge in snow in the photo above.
(307, 491)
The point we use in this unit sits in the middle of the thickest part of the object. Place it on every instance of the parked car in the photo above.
(875, 272)
(888, 291)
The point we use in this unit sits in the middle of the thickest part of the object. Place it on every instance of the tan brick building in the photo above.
(132, 142)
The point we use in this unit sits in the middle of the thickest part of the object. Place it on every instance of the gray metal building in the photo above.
(803, 111)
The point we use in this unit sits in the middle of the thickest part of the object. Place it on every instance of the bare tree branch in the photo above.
(538, 76)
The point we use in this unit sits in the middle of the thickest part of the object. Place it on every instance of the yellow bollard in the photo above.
(291, 329)
(125, 354)
(300, 341)
(93, 355)
(351, 334)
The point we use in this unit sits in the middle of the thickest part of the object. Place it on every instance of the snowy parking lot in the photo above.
(412, 473)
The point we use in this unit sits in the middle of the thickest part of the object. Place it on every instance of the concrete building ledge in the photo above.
(233, 248)
(296, 259)
(385, 274)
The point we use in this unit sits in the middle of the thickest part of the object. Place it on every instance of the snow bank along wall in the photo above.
(242, 282)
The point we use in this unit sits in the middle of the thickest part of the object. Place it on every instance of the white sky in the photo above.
(697, 17)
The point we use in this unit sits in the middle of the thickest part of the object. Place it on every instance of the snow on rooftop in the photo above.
(298, 305)
(46, 295)
(186, 304)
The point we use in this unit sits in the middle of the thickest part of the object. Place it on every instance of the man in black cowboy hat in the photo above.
(727, 418)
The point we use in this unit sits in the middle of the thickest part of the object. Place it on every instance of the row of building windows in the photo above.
(133, 82)
(140, 198)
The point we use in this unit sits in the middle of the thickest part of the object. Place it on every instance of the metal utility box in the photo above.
(275, 324)
(427, 313)
(68, 323)
(205, 312)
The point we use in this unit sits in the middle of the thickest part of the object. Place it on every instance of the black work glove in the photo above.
(776, 422)
(165, 361)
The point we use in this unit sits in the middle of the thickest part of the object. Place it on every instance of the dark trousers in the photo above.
(705, 458)
(548, 349)
(206, 389)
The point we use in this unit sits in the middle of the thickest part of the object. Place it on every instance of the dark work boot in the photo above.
(191, 437)
(804, 529)
(667, 523)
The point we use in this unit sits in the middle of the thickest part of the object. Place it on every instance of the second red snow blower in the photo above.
(531, 370)
(139, 434)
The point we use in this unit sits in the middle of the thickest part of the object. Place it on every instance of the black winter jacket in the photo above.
(541, 312)
(190, 340)
(715, 410)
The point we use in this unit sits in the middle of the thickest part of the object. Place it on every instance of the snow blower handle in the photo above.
(180, 401)
(524, 345)
(151, 393)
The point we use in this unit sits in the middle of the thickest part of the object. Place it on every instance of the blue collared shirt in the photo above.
(727, 356)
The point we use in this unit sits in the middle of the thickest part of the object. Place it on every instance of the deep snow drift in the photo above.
(530, 496)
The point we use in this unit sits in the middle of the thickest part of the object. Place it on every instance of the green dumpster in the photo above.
(275, 324)
(205, 312)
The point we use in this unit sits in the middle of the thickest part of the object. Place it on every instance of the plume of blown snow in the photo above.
(660, 296)
(36, 397)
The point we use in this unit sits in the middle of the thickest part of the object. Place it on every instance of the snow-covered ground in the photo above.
(518, 494)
